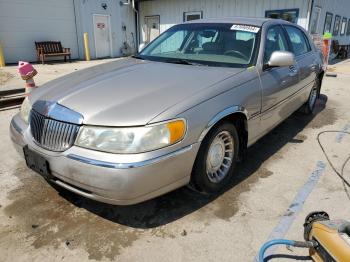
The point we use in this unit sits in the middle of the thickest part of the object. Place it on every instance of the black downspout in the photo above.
(76, 27)
(137, 23)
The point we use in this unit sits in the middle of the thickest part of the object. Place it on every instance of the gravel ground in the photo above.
(10, 78)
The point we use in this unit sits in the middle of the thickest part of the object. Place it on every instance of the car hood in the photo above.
(129, 92)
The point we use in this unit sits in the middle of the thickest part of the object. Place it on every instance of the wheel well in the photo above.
(321, 74)
(320, 77)
(239, 119)
(240, 122)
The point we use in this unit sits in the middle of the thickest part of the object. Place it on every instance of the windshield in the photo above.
(205, 44)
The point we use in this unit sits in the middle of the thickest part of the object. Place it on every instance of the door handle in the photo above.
(313, 67)
(292, 68)
(293, 71)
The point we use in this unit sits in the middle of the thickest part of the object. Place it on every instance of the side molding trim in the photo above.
(105, 164)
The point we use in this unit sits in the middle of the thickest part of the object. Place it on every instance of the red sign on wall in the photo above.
(101, 25)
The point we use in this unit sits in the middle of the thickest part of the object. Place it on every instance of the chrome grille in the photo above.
(51, 134)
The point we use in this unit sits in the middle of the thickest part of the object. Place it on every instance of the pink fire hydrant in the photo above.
(27, 72)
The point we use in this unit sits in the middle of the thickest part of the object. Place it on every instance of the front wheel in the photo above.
(216, 159)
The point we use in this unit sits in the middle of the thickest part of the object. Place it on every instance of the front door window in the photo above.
(275, 41)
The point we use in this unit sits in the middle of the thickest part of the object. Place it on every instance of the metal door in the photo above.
(278, 84)
(102, 35)
(304, 56)
(152, 27)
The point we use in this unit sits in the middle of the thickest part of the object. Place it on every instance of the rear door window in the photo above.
(299, 41)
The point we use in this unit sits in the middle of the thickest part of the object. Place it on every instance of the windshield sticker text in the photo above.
(246, 28)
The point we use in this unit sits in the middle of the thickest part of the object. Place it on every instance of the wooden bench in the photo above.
(51, 48)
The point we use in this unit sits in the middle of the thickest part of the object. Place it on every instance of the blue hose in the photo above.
(272, 243)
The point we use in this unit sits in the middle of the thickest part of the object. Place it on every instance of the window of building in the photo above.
(348, 29)
(275, 41)
(290, 15)
(299, 41)
(336, 25)
(189, 16)
(315, 17)
(343, 26)
(328, 23)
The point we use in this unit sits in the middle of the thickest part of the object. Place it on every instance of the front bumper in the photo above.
(111, 178)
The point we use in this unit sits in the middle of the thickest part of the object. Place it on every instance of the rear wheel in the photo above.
(216, 159)
(309, 106)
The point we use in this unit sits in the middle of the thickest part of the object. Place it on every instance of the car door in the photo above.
(305, 58)
(278, 83)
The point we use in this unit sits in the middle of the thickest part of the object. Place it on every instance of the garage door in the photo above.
(22, 22)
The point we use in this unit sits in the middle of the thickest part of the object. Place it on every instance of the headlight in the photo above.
(25, 109)
(131, 140)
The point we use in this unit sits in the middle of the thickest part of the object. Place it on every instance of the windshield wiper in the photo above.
(183, 62)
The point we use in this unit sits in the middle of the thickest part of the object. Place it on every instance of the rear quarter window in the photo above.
(299, 41)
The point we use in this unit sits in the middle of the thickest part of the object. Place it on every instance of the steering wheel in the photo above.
(233, 52)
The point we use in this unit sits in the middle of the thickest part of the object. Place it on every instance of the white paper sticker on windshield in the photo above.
(246, 28)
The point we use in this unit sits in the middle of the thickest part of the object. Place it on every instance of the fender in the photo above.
(228, 111)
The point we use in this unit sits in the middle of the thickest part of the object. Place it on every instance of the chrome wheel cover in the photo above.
(220, 157)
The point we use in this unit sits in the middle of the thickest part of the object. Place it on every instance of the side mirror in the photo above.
(281, 58)
(142, 46)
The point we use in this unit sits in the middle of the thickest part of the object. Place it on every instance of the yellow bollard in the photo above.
(2, 58)
(86, 46)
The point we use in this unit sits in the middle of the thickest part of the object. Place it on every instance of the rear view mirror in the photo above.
(208, 33)
(281, 58)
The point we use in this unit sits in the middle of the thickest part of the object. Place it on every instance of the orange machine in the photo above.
(332, 237)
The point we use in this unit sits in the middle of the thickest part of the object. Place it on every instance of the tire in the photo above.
(309, 106)
(215, 151)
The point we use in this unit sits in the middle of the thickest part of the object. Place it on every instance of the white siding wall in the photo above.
(171, 11)
(336, 7)
(23, 22)
(119, 15)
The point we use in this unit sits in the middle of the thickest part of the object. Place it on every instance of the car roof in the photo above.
(236, 20)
